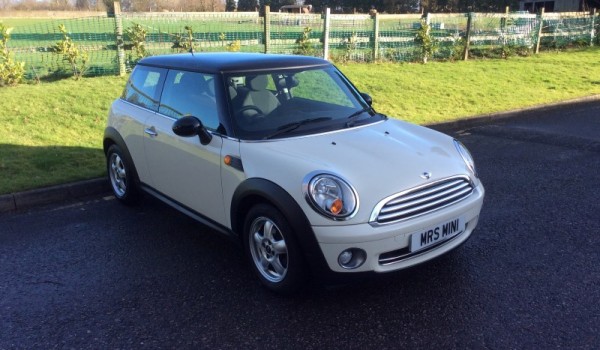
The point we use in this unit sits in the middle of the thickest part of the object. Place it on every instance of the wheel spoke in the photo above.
(280, 247)
(278, 267)
(257, 239)
(264, 263)
(268, 229)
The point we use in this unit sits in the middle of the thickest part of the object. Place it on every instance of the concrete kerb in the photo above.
(28, 199)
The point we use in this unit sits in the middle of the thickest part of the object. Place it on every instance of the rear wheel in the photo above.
(273, 251)
(121, 176)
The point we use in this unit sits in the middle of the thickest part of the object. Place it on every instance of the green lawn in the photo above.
(441, 91)
(51, 132)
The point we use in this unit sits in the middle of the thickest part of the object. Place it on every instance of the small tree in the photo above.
(136, 34)
(427, 43)
(68, 49)
(304, 46)
(11, 71)
(185, 42)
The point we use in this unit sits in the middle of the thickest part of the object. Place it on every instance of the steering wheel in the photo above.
(251, 117)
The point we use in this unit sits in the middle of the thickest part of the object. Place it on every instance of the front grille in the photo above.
(423, 200)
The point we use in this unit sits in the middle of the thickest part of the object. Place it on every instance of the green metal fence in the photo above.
(341, 38)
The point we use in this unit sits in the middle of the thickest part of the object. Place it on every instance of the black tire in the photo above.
(121, 175)
(272, 249)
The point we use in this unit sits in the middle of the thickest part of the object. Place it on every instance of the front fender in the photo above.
(255, 190)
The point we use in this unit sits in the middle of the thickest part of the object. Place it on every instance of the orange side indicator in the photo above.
(336, 206)
(227, 160)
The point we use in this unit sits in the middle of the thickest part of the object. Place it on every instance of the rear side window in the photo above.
(143, 87)
(190, 94)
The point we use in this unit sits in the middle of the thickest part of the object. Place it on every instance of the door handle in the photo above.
(151, 131)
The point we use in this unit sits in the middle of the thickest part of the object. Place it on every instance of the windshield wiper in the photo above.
(284, 129)
(354, 116)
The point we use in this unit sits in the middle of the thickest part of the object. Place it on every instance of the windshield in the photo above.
(286, 103)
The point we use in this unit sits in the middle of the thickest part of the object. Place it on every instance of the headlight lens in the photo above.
(466, 156)
(331, 196)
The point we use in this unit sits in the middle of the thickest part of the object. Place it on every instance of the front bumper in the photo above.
(394, 239)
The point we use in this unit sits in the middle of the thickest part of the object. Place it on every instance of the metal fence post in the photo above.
(376, 36)
(326, 29)
(119, 39)
(539, 31)
(267, 31)
(468, 35)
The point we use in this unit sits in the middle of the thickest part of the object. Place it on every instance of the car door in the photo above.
(181, 168)
(139, 101)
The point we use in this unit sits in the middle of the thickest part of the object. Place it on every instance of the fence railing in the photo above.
(341, 38)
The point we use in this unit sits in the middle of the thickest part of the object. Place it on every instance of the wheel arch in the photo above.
(254, 191)
(112, 137)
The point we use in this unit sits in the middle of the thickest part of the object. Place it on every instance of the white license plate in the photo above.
(436, 234)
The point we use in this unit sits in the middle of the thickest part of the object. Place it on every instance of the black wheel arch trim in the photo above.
(112, 136)
(256, 190)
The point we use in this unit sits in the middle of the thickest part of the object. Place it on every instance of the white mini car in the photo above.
(286, 155)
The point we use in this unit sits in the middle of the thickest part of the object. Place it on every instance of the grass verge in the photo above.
(51, 133)
(441, 91)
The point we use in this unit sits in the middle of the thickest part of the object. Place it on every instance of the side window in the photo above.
(190, 93)
(143, 87)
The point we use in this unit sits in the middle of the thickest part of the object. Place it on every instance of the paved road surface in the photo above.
(100, 275)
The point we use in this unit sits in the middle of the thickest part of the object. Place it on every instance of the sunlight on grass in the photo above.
(445, 91)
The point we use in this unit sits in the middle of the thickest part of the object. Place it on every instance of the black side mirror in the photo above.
(367, 98)
(191, 126)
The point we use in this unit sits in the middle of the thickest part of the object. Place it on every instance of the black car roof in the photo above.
(231, 62)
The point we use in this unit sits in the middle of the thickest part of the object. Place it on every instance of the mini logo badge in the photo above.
(426, 175)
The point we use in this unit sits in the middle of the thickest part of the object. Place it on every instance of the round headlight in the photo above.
(331, 196)
(466, 156)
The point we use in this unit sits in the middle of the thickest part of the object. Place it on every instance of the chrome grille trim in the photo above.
(423, 193)
(421, 200)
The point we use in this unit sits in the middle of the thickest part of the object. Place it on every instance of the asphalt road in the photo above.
(100, 275)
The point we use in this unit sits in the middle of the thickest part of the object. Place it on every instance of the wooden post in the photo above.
(119, 39)
(468, 36)
(539, 32)
(376, 36)
(593, 27)
(326, 29)
(267, 31)
(504, 20)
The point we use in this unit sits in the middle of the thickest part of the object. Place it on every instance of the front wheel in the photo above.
(272, 249)
(121, 176)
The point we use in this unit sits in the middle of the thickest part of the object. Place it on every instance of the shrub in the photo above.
(304, 46)
(68, 49)
(185, 42)
(136, 34)
(427, 43)
(11, 71)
